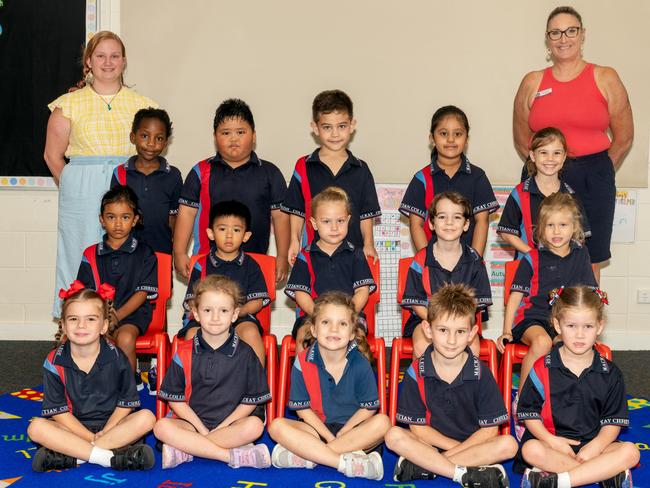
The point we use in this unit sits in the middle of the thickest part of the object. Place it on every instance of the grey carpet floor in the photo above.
(21, 365)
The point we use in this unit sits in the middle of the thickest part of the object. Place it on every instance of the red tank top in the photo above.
(575, 107)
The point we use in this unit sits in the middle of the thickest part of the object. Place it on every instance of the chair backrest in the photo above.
(267, 265)
(373, 300)
(159, 318)
(511, 269)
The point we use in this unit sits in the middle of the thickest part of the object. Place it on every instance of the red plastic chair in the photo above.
(373, 299)
(288, 351)
(267, 265)
(156, 341)
(514, 353)
(402, 348)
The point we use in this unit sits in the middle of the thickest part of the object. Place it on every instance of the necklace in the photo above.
(104, 97)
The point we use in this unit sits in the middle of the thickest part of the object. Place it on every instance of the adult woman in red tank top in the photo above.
(584, 101)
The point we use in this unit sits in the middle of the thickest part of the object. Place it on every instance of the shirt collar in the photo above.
(554, 360)
(253, 160)
(344, 246)
(351, 161)
(228, 348)
(573, 245)
(313, 353)
(471, 370)
(217, 261)
(107, 353)
(164, 164)
(465, 166)
(469, 255)
(129, 246)
(530, 185)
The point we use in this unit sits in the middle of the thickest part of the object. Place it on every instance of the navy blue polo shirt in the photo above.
(580, 406)
(222, 379)
(356, 389)
(345, 270)
(158, 194)
(354, 177)
(258, 184)
(131, 268)
(542, 270)
(470, 181)
(457, 409)
(95, 395)
(512, 221)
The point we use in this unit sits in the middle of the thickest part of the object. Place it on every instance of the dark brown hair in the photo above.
(453, 197)
(541, 138)
(564, 10)
(331, 101)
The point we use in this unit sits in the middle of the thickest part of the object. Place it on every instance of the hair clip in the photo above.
(75, 287)
(106, 291)
(555, 294)
(602, 295)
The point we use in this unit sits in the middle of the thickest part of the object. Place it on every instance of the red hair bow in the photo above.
(106, 291)
(75, 288)
(602, 295)
(555, 294)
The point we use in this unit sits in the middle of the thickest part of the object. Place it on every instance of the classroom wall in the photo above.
(397, 75)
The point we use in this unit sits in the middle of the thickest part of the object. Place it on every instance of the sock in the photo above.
(81, 461)
(563, 480)
(101, 456)
(458, 473)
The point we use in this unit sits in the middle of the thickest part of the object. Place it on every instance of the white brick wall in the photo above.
(28, 249)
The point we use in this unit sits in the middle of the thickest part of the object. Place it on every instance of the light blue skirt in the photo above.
(83, 183)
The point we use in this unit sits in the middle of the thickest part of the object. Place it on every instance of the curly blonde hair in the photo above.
(217, 283)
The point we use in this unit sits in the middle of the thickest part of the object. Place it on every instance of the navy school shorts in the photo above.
(521, 327)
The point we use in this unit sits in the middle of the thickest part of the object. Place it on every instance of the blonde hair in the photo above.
(344, 300)
(541, 138)
(556, 203)
(578, 296)
(331, 194)
(452, 301)
(90, 49)
(218, 283)
(108, 312)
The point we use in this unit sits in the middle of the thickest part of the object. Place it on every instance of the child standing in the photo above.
(335, 394)
(332, 165)
(213, 384)
(451, 402)
(330, 262)
(126, 264)
(445, 260)
(548, 152)
(156, 182)
(234, 173)
(560, 261)
(450, 170)
(572, 438)
(229, 229)
(89, 392)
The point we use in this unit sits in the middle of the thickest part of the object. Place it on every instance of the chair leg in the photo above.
(396, 352)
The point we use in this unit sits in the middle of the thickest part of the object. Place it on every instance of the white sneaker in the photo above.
(368, 466)
(281, 457)
(172, 457)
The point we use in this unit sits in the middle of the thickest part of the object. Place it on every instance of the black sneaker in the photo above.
(138, 381)
(538, 479)
(133, 458)
(152, 378)
(45, 459)
(405, 470)
(621, 480)
(492, 476)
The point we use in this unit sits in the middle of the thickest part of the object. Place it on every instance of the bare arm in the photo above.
(509, 317)
(595, 447)
(479, 238)
(432, 437)
(282, 231)
(56, 143)
(620, 113)
(116, 417)
(242, 411)
(132, 304)
(358, 417)
(182, 234)
(310, 418)
(417, 232)
(251, 307)
(515, 242)
(479, 437)
(360, 297)
(185, 412)
(305, 302)
(172, 222)
(523, 99)
(561, 444)
(71, 423)
(295, 226)
(368, 239)
(420, 311)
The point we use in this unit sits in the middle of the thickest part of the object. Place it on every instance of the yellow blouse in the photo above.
(94, 129)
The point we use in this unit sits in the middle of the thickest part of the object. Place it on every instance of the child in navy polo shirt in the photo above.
(89, 392)
(576, 405)
(235, 172)
(450, 170)
(561, 260)
(444, 260)
(548, 151)
(156, 182)
(332, 165)
(125, 263)
(229, 229)
(335, 394)
(451, 402)
(213, 385)
(330, 262)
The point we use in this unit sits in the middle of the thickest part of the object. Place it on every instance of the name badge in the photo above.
(543, 92)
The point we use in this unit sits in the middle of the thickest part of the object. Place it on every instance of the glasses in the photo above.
(556, 34)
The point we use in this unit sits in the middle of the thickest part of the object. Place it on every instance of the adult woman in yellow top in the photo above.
(91, 127)
(583, 100)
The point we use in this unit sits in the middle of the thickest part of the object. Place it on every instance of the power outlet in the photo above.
(643, 295)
